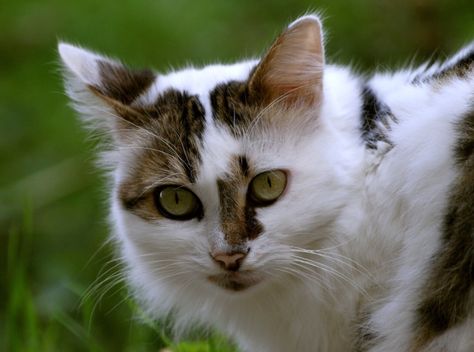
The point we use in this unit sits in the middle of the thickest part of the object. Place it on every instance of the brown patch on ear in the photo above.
(119, 87)
(121, 83)
(292, 69)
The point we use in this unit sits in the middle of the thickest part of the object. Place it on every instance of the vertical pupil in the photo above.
(269, 181)
(176, 197)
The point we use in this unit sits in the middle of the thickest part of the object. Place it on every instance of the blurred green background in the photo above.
(52, 209)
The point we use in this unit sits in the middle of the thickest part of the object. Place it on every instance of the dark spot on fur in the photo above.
(365, 335)
(252, 226)
(465, 146)
(366, 338)
(370, 110)
(376, 117)
(446, 294)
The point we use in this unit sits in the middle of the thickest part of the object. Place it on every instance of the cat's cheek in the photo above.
(153, 237)
(117, 220)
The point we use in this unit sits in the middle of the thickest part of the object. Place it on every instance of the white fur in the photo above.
(376, 214)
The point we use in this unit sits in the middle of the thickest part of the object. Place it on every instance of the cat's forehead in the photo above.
(198, 81)
(206, 115)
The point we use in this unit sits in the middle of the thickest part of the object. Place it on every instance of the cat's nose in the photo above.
(229, 261)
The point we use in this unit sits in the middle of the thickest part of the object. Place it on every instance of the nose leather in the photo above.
(230, 261)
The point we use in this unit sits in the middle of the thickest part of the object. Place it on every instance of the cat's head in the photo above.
(223, 175)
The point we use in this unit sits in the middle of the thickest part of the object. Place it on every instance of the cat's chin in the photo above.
(236, 281)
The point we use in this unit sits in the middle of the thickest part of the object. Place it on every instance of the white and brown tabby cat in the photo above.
(289, 203)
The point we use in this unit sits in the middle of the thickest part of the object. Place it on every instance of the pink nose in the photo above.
(229, 262)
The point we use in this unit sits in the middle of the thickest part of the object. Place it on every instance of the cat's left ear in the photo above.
(102, 88)
(291, 72)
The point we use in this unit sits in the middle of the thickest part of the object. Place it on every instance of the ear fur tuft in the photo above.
(81, 62)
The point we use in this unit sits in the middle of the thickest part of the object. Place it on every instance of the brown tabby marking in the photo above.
(238, 220)
(458, 69)
(123, 84)
(233, 106)
(289, 75)
(173, 129)
(446, 295)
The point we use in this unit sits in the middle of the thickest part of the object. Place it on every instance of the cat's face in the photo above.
(222, 176)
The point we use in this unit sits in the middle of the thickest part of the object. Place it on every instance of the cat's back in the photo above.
(424, 117)
(425, 185)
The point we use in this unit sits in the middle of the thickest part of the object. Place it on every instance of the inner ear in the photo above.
(291, 72)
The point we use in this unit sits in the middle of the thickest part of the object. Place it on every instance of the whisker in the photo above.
(339, 258)
(330, 270)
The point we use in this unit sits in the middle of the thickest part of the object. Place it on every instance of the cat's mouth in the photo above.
(236, 281)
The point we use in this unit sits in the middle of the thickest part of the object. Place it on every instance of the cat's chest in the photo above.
(305, 321)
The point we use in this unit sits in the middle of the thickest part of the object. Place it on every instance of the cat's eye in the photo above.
(177, 203)
(267, 187)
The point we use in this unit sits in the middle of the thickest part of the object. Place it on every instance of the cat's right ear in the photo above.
(291, 72)
(103, 90)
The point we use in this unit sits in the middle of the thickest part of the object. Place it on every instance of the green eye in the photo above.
(267, 187)
(177, 203)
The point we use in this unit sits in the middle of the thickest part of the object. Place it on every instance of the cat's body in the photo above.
(370, 244)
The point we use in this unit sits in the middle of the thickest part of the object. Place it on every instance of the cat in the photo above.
(292, 204)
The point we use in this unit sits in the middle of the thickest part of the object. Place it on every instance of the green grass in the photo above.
(27, 328)
(52, 209)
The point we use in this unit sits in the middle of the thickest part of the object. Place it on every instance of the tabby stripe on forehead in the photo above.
(193, 124)
(123, 84)
(244, 165)
(232, 106)
(445, 301)
(181, 120)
